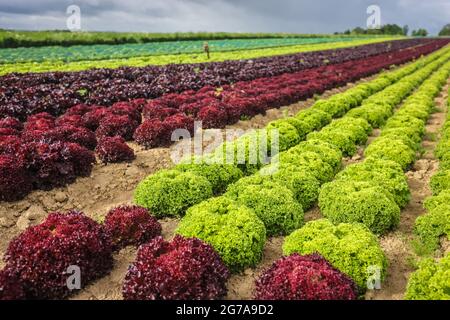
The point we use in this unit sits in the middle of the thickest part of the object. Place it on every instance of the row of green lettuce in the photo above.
(432, 279)
(374, 191)
(179, 58)
(273, 198)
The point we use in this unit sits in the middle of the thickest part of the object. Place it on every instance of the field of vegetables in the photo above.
(352, 202)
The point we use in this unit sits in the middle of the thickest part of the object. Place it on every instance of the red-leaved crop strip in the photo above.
(55, 92)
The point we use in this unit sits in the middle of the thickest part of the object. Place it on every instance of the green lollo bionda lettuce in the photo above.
(314, 118)
(406, 121)
(233, 230)
(273, 203)
(433, 225)
(388, 149)
(342, 139)
(171, 192)
(303, 184)
(351, 248)
(440, 182)
(288, 135)
(328, 152)
(334, 107)
(384, 173)
(375, 114)
(435, 201)
(219, 175)
(307, 161)
(359, 202)
(360, 128)
(431, 281)
(409, 136)
(248, 152)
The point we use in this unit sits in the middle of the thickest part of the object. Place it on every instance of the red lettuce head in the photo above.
(131, 225)
(183, 269)
(15, 183)
(41, 255)
(114, 149)
(308, 277)
(11, 123)
(116, 125)
(11, 287)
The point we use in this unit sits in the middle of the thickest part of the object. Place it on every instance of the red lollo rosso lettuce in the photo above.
(153, 110)
(153, 133)
(126, 109)
(11, 287)
(79, 110)
(42, 254)
(70, 120)
(91, 119)
(308, 277)
(183, 269)
(213, 117)
(9, 132)
(56, 164)
(84, 137)
(130, 225)
(114, 149)
(40, 122)
(15, 182)
(11, 123)
(10, 145)
(116, 125)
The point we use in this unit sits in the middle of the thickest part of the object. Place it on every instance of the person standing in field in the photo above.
(206, 48)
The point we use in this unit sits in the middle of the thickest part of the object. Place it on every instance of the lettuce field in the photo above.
(117, 162)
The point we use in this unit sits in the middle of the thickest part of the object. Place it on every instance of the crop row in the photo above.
(374, 192)
(176, 58)
(430, 281)
(240, 229)
(15, 38)
(22, 95)
(107, 52)
(236, 224)
(47, 152)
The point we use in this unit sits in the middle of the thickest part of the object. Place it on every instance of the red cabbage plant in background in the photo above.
(114, 149)
(41, 255)
(183, 269)
(309, 277)
(131, 225)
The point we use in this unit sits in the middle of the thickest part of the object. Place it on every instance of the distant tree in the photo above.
(359, 30)
(347, 32)
(405, 30)
(420, 33)
(445, 30)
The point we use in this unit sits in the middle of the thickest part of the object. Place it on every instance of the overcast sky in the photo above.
(300, 16)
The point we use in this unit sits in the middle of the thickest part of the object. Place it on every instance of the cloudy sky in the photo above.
(301, 16)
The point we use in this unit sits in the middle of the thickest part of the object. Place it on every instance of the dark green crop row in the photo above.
(273, 202)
